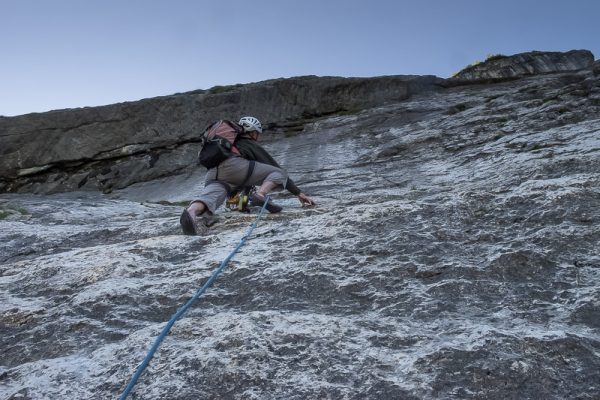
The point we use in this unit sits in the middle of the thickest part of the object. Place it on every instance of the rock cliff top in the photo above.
(453, 253)
(532, 63)
(114, 146)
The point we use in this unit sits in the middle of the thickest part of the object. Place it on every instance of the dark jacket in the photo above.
(251, 150)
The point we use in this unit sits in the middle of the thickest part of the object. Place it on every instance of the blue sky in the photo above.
(73, 53)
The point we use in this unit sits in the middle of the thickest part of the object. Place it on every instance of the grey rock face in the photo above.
(453, 254)
(535, 62)
(114, 146)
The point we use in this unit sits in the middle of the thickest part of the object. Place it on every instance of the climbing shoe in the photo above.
(196, 226)
(187, 223)
(259, 201)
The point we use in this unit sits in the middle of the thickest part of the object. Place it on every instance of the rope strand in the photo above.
(187, 305)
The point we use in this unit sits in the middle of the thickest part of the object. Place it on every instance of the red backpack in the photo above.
(218, 143)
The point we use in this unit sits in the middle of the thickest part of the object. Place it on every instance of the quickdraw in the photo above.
(239, 201)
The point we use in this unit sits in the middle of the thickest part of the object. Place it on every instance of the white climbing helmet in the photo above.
(250, 124)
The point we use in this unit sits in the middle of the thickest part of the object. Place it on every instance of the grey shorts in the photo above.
(233, 172)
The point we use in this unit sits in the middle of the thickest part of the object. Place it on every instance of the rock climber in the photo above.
(254, 166)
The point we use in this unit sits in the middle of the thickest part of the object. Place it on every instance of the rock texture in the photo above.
(453, 255)
(535, 62)
(114, 146)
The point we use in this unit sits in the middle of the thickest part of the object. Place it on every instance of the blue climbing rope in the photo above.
(187, 305)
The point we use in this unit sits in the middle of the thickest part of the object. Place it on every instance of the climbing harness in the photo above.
(237, 197)
(187, 305)
(239, 201)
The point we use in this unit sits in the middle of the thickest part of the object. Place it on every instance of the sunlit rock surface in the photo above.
(454, 253)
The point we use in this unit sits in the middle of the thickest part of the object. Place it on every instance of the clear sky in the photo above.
(74, 53)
